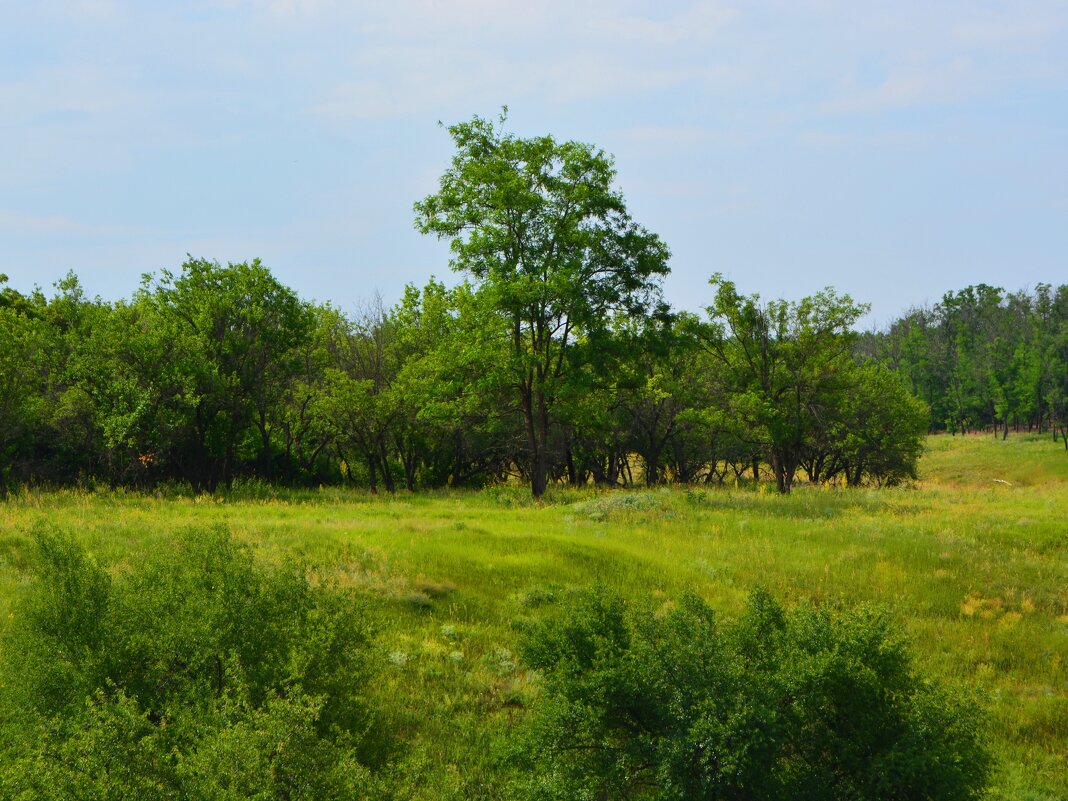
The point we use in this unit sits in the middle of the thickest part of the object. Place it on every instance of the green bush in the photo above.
(626, 507)
(778, 705)
(194, 675)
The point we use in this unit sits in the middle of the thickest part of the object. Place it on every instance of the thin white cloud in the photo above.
(680, 137)
(894, 139)
(425, 55)
(913, 86)
(98, 10)
(290, 8)
(1018, 27)
(69, 89)
(701, 22)
(14, 223)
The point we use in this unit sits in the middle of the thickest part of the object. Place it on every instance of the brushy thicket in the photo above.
(779, 705)
(197, 675)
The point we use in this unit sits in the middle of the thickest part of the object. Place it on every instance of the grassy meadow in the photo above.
(973, 562)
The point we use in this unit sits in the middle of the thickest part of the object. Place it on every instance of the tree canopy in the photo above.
(553, 253)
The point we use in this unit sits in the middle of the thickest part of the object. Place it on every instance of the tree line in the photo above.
(220, 372)
(984, 359)
(555, 359)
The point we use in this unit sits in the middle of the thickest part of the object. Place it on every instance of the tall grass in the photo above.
(974, 569)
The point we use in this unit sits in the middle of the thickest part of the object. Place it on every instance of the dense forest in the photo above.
(985, 358)
(554, 359)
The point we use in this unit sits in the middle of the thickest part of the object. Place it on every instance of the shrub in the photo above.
(195, 675)
(624, 507)
(778, 705)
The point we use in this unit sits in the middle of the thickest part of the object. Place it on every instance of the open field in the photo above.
(976, 571)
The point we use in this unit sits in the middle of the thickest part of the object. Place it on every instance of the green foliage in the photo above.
(985, 358)
(23, 352)
(778, 705)
(554, 254)
(234, 336)
(880, 429)
(786, 368)
(196, 674)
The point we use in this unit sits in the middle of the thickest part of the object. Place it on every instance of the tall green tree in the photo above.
(545, 235)
(785, 365)
(23, 349)
(236, 333)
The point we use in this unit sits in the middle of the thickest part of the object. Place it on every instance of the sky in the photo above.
(895, 151)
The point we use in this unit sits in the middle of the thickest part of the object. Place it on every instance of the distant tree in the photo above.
(784, 366)
(305, 436)
(235, 332)
(359, 400)
(1055, 359)
(554, 361)
(968, 319)
(553, 253)
(456, 426)
(23, 408)
(13, 299)
(881, 428)
(666, 386)
(982, 358)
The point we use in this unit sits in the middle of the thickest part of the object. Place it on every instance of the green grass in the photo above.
(975, 570)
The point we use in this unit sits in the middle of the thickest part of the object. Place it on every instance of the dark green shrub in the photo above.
(778, 705)
(195, 675)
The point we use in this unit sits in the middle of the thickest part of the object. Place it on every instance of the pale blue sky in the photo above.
(894, 150)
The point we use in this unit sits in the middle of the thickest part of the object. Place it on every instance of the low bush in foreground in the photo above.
(197, 675)
(779, 705)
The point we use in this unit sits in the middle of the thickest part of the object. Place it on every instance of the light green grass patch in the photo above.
(975, 570)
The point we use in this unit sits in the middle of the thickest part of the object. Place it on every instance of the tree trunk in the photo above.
(611, 478)
(854, 475)
(387, 474)
(265, 446)
(410, 466)
(309, 463)
(372, 472)
(652, 467)
(537, 426)
(778, 467)
(572, 474)
(344, 460)
(457, 454)
(539, 477)
(599, 475)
